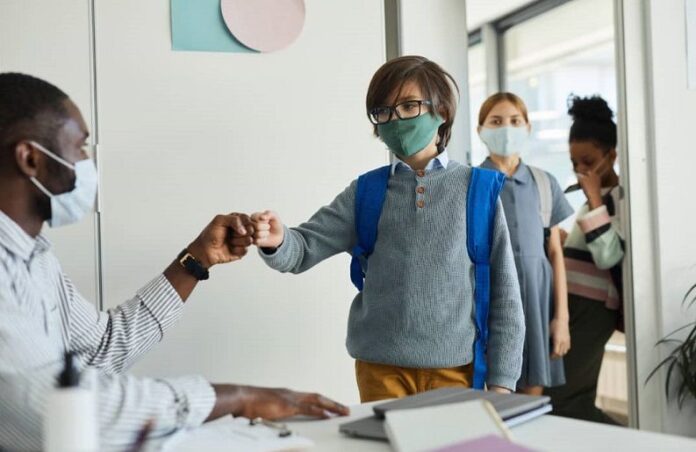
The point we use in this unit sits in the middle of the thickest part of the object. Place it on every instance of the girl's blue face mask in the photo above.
(505, 141)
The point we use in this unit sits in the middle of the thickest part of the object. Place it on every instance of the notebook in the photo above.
(514, 409)
(490, 443)
(428, 428)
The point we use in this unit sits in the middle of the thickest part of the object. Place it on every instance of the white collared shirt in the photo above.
(438, 162)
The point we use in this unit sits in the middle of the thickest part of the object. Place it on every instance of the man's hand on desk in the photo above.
(271, 403)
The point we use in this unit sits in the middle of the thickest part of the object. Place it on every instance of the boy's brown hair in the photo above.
(436, 84)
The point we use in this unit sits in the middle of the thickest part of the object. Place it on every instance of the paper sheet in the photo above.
(228, 434)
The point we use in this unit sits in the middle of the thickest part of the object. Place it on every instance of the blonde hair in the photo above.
(497, 98)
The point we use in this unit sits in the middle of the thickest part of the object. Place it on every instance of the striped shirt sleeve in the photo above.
(602, 238)
(125, 404)
(106, 343)
(112, 341)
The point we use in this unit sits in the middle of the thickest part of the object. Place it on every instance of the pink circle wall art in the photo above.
(264, 25)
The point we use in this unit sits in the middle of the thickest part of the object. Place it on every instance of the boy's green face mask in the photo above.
(406, 137)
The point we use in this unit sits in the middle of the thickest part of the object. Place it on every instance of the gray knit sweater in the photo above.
(416, 308)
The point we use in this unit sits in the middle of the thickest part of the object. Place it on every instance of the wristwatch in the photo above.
(193, 265)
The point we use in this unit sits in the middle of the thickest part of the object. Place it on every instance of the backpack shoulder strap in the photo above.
(369, 198)
(543, 184)
(483, 192)
(482, 197)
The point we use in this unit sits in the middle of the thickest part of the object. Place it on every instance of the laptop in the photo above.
(514, 409)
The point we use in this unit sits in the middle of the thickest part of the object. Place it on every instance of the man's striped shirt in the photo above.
(42, 315)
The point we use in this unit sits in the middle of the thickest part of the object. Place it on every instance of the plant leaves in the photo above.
(658, 367)
(669, 376)
(678, 330)
(688, 293)
(680, 362)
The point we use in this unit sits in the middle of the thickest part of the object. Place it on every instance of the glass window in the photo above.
(566, 50)
(569, 49)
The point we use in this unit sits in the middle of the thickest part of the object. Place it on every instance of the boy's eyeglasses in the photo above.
(404, 110)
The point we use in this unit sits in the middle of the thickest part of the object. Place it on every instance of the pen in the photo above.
(142, 436)
(283, 430)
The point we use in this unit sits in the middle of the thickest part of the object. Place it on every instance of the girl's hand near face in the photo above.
(591, 184)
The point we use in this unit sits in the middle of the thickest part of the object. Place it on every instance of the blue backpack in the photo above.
(484, 188)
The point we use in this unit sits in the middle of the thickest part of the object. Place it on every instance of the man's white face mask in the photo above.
(70, 207)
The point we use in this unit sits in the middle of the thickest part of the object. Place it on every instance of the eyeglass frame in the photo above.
(393, 112)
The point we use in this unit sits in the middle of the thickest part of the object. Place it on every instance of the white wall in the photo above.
(50, 40)
(186, 135)
(674, 114)
(436, 29)
(659, 114)
(183, 136)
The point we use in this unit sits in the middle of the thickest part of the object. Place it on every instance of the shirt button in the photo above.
(420, 190)
(420, 204)
(420, 173)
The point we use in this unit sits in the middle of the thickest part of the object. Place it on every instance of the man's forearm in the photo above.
(181, 280)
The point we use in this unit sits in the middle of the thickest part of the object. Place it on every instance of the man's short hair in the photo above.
(30, 108)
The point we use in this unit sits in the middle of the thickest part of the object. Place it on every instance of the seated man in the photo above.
(45, 175)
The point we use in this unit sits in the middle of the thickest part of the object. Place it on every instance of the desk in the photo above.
(548, 433)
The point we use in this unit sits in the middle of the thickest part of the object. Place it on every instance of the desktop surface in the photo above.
(547, 433)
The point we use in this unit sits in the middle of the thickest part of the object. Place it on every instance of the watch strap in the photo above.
(193, 266)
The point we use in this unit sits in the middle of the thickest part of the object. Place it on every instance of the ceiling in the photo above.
(479, 12)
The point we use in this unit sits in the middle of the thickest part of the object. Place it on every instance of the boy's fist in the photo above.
(268, 229)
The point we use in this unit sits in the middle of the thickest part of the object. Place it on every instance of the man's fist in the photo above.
(225, 239)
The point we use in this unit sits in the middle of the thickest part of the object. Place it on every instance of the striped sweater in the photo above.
(594, 250)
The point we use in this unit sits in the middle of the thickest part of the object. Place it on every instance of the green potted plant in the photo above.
(682, 359)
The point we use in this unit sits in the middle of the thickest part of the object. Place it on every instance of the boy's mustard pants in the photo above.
(382, 381)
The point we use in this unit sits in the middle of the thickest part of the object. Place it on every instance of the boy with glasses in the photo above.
(411, 327)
